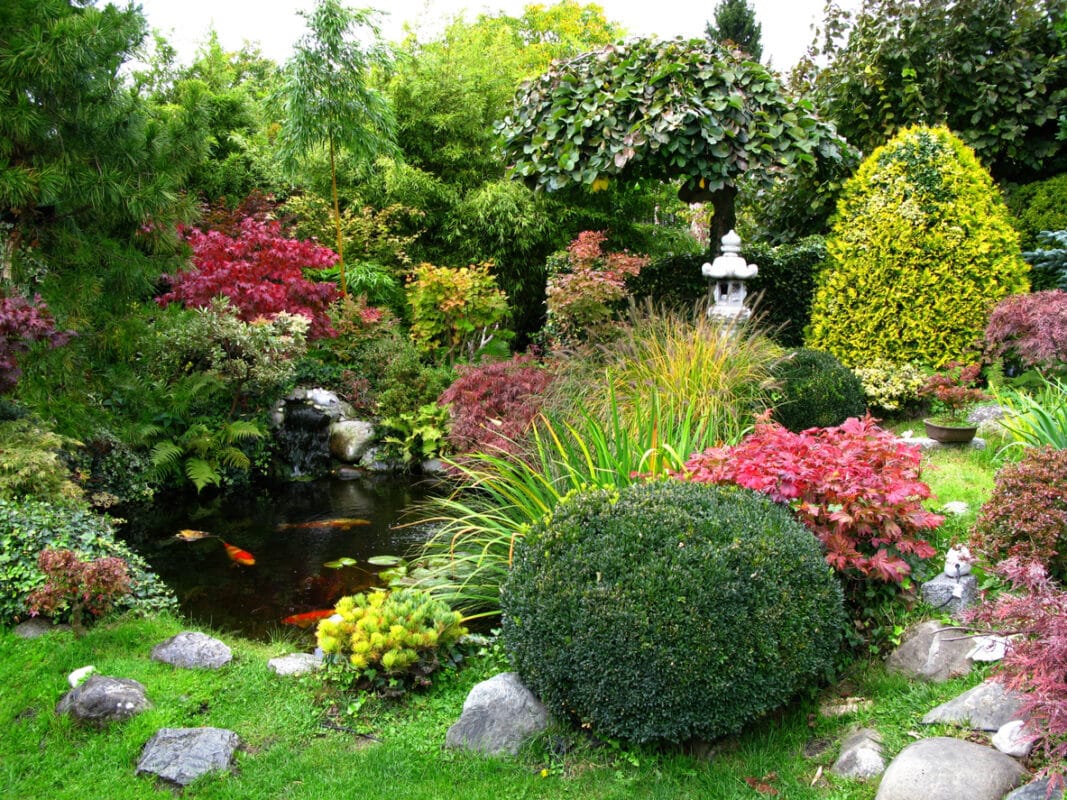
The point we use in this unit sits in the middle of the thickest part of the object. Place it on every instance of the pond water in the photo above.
(292, 531)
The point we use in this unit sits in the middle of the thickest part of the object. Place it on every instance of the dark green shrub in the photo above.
(786, 283)
(815, 391)
(673, 281)
(29, 526)
(665, 611)
(1048, 263)
(1038, 206)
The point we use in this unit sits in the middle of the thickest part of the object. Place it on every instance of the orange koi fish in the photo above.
(308, 618)
(341, 522)
(239, 556)
(192, 536)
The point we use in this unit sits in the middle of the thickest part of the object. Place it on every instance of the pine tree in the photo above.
(735, 21)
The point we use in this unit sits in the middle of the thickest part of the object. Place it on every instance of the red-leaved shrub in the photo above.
(23, 322)
(260, 271)
(82, 587)
(1026, 515)
(493, 404)
(1031, 328)
(1034, 614)
(856, 486)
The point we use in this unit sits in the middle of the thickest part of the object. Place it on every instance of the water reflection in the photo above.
(289, 576)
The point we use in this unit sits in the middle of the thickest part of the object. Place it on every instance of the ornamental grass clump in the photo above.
(665, 611)
(391, 640)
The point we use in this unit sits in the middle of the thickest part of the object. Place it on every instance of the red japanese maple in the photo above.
(1034, 613)
(23, 322)
(855, 486)
(260, 271)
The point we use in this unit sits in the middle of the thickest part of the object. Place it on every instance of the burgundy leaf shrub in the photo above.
(1035, 664)
(260, 271)
(1031, 328)
(856, 486)
(23, 322)
(1026, 515)
(493, 404)
(82, 587)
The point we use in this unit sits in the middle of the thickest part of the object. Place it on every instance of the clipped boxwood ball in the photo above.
(670, 610)
(815, 390)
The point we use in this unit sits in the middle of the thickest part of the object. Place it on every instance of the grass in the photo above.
(288, 754)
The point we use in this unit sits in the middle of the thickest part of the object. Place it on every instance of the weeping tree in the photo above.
(684, 110)
(324, 99)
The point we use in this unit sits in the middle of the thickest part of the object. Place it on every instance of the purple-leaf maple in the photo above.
(856, 486)
(1030, 327)
(260, 270)
(23, 322)
(493, 404)
(1034, 614)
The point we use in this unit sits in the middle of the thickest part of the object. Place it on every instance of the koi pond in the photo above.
(246, 562)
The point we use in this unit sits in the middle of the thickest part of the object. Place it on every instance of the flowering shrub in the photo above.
(1035, 663)
(23, 322)
(82, 587)
(1031, 329)
(855, 486)
(492, 404)
(890, 386)
(457, 311)
(260, 271)
(1026, 515)
(584, 286)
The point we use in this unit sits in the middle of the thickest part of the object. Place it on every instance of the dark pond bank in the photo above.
(292, 530)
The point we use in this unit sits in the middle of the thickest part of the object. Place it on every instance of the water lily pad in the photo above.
(385, 561)
(344, 561)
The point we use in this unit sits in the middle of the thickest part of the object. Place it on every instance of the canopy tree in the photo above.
(994, 71)
(686, 110)
(325, 99)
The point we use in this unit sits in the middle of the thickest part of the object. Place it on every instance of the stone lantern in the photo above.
(728, 274)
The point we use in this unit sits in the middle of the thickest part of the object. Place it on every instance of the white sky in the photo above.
(274, 24)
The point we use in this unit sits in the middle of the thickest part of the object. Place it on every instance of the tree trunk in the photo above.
(725, 217)
(337, 222)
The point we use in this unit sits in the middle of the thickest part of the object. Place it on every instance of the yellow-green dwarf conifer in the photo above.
(920, 251)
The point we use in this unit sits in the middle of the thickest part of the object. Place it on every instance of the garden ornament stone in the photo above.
(728, 273)
(955, 588)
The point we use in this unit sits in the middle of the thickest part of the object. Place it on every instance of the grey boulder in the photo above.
(498, 716)
(193, 650)
(101, 700)
(942, 768)
(861, 756)
(933, 652)
(1037, 790)
(181, 755)
(350, 439)
(986, 707)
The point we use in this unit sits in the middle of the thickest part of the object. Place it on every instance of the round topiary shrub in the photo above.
(815, 390)
(921, 249)
(1026, 515)
(670, 610)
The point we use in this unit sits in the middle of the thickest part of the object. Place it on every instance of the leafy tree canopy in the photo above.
(735, 21)
(687, 109)
(448, 91)
(994, 71)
